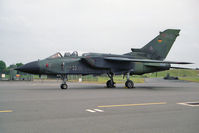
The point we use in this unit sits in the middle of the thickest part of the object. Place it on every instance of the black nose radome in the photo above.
(32, 67)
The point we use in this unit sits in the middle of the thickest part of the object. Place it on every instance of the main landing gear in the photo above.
(129, 83)
(111, 84)
(64, 85)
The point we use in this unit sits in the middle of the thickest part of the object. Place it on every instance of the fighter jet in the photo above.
(147, 59)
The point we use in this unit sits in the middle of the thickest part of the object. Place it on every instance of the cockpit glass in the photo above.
(57, 55)
(74, 54)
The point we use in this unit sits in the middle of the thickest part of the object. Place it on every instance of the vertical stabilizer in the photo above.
(159, 47)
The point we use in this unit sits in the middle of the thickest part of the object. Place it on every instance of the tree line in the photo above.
(6, 69)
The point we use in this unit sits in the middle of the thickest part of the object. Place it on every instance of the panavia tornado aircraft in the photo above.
(147, 59)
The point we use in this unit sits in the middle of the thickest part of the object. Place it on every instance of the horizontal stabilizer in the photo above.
(143, 60)
(135, 50)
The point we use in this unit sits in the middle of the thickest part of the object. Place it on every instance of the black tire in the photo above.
(129, 84)
(110, 84)
(64, 86)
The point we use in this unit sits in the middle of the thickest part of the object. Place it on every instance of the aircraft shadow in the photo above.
(137, 88)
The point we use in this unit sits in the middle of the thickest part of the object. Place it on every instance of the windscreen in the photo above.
(57, 55)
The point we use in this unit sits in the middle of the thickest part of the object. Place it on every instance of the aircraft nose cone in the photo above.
(32, 67)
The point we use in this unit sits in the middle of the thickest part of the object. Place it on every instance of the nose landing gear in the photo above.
(64, 85)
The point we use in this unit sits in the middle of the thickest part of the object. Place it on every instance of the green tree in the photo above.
(2, 66)
(19, 64)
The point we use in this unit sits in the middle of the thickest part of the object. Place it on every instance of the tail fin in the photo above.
(160, 46)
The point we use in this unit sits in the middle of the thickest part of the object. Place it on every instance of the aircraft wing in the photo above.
(183, 68)
(143, 60)
(161, 65)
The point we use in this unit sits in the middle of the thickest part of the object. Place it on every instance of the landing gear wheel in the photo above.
(129, 84)
(110, 84)
(64, 79)
(64, 86)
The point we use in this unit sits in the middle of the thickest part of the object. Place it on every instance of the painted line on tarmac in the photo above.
(191, 104)
(6, 111)
(126, 105)
(89, 110)
(99, 110)
(94, 110)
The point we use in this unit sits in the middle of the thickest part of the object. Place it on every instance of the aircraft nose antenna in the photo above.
(32, 67)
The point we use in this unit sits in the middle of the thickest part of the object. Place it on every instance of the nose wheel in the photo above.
(64, 85)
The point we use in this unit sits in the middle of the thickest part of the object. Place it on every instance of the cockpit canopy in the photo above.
(67, 54)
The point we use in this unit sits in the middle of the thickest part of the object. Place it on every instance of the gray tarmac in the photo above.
(151, 107)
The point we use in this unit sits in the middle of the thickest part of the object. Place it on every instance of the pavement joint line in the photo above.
(126, 105)
(6, 111)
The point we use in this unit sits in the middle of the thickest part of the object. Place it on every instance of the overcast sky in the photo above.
(36, 29)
